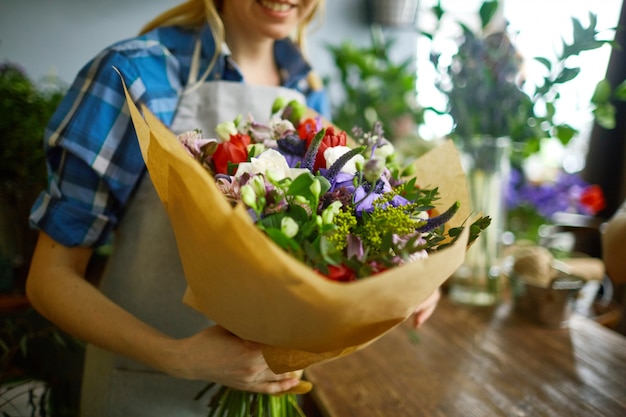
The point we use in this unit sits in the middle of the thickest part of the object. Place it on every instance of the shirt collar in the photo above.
(291, 63)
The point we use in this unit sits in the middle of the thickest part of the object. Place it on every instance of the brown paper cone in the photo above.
(240, 279)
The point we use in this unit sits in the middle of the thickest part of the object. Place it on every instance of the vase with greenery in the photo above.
(488, 95)
(492, 105)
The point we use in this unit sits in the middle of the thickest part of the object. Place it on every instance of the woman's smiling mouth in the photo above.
(276, 6)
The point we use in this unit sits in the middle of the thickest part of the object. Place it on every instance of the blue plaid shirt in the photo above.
(94, 160)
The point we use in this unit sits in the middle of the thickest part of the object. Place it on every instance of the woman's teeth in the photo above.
(276, 7)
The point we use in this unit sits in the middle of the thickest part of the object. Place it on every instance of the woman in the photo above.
(196, 65)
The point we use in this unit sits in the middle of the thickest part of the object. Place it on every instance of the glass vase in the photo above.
(486, 163)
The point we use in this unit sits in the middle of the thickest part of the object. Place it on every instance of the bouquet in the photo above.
(343, 211)
(323, 246)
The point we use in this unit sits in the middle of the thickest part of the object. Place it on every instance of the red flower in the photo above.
(234, 151)
(593, 199)
(340, 273)
(307, 129)
(331, 139)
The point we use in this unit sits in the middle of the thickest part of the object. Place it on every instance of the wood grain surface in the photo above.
(477, 362)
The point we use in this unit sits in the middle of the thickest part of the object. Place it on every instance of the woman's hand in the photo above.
(219, 356)
(57, 289)
(425, 310)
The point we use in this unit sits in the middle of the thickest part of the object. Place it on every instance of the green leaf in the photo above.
(605, 115)
(438, 10)
(298, 213)
(455, 231)
(328, 252)
(477, 227)
(565, 133)
(620, 91)
(545, 62)
(429, 36)
(544, 88)
(325, 184)
(567, 74)
(204, 390)
(301, 186)
(282, 240)
(387, 242)
(271, 221)
(602, 92)
(584, 38)
(550, 110)
(414, 337)
(487, 11)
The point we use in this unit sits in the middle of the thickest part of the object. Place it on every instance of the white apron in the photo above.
(144, 274)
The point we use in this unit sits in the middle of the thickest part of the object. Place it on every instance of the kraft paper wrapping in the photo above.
(239, 278)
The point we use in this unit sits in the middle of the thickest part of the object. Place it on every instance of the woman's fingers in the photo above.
(274, 387)
(217, 355)
(426, 309)
(302, 388)
(271, 383)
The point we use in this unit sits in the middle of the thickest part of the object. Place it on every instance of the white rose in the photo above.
(332, 154)
(270, 163)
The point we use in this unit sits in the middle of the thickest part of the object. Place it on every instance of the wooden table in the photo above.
(477, 362)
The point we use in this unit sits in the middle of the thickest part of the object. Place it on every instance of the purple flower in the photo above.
(293, 149)
(341, 194)
(434, 222)
(548, 198)
(342, 179)
(259, 132)
(355, 248)
(365, 196)
(197, 146)
(512, 192)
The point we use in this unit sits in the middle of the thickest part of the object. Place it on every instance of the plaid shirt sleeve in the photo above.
(94, 160)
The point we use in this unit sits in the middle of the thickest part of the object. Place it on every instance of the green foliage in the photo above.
(229, 402)
(26, 109)
(602, 100)
(31, 348)
(488, 95)
(375, 87)
(487, 11)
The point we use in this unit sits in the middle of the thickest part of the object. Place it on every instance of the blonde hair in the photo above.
(195, 13)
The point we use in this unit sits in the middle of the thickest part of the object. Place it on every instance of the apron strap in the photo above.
(195, 64)
(193, 81)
